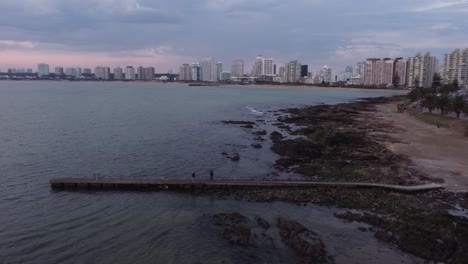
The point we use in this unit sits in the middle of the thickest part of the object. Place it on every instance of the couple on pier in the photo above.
(211, 175)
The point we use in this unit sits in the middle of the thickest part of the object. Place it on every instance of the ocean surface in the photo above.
(147, 131)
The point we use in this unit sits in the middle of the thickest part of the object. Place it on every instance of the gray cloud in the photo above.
(315, 32)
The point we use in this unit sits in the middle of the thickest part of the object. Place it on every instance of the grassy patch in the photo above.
(438, 120)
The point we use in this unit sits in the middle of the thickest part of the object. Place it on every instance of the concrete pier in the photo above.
(146, 185)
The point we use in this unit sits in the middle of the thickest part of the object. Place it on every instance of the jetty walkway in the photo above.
(146, 185)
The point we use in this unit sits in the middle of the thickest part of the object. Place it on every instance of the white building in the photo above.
(262, 66)
(387, 72)
(292, 72)
(70, 72)
(209, 70)
(421, 70)
(118, 73)
(456, 68)
(42, 69)
(149, 73)
(102, 73)
(78, 72)
(326, 73)
(237, 68)
(129, 73)
(185, 72)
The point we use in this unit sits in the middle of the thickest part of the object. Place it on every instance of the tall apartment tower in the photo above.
(237, 68)
(196, 72)
(388, 71)
(262, 66)
(185, 72)
(219, 70)
(400, 72)
(102, 73)
(129, 73)
(118, 73)
(456, 68)
(421, 70)
(292, 71)
(42, 69)
(209, 70)
(149, 73)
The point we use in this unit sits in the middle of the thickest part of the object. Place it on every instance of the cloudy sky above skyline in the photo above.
(166, 33)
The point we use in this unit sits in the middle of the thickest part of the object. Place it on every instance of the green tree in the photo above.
(443, 103)
(413, 95)
(455, 84)
(457, 104)
(429, 102)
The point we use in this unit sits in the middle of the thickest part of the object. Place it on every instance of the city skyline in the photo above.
(166, 34)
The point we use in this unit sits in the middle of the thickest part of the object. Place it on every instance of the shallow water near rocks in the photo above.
(145, 131)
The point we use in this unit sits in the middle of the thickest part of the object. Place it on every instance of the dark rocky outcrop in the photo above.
(305, 243)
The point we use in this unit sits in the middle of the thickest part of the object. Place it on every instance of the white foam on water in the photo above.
(255, 112)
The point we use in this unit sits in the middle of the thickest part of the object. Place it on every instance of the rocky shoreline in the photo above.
(345, 142)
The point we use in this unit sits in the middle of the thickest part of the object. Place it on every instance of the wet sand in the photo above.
(439, 152)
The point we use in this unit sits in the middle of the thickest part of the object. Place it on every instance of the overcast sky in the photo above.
(166, 33)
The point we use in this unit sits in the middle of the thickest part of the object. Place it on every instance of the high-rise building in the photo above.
(42, 69)
(237, 68)
(70, 72)
(388, 73)
(209, 70)
(118, 73)
(78, 72)
(87, 71)
(372, 71)
(326, 73)
(219, 70)
(401, 67)
(185, 72)
(129, 73)
(292, 71)
(421, 70)
(304, 70)
(149, 73)
(59, 71)
(196, 72)
(262, 66)
(102, 73)
(456, 68)
(140, 73)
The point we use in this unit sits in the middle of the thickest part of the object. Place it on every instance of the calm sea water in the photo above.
(124, 130)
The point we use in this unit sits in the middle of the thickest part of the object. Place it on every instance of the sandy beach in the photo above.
(438, 151)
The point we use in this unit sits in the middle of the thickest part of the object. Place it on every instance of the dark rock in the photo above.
(305, 243)
(257, 146)
(247, 126)
(235, 157)
(238, 235)
(276, 136)
(262, 222)
(260, 133)
(238, 122)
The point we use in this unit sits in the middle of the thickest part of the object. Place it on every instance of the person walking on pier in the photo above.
(193, 175)
(211, 174)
